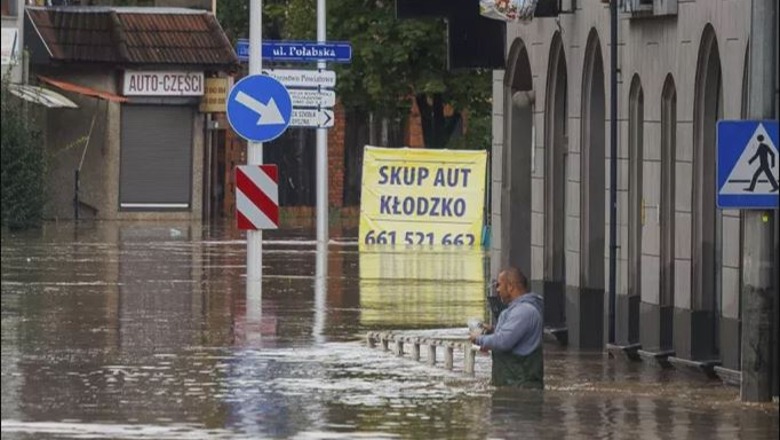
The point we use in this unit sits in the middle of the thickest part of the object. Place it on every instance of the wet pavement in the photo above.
(146, 331)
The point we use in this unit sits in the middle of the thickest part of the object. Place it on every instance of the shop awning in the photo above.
(82, 90)
(39, 95)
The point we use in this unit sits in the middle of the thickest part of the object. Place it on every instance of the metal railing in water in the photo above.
(432, 345)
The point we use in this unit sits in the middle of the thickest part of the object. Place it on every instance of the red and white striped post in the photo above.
(257, 197)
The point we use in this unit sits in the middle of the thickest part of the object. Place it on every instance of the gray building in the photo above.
(682, 67)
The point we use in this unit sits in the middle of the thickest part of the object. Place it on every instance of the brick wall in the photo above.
(336, 158)
(413, 137)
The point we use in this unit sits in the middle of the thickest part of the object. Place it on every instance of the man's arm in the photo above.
(507, 335)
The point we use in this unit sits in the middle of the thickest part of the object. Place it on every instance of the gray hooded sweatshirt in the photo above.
(519, 328)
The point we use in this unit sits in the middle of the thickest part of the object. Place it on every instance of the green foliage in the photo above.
(393, 62)
(23, 165)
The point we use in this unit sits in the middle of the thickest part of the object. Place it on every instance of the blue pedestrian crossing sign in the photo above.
(259, 108)
(748, 163)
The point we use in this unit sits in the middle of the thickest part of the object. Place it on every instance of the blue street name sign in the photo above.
(299, 51)
(259, 108)
(748, 163)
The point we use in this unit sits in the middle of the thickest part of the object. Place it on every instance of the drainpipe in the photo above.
(76, 196)
(613, 152)
(759, 290)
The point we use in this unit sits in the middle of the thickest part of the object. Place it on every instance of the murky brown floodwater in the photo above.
(142, 331)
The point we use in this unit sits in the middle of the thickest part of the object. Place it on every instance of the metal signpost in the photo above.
(311, 97)
(308, 103)
(321, 280)
(747, 179)
(259, 109)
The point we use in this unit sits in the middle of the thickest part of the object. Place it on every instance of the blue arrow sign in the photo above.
(748, 163)
(299, 51)
(259, 108)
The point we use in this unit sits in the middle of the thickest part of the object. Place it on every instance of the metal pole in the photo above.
(759, 291)
(254, 239)
(322, 149)
(613, 152)
(76, 196)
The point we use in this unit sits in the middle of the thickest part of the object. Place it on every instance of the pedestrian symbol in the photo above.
(748, 163)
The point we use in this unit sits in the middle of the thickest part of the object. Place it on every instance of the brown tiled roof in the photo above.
(132, 35)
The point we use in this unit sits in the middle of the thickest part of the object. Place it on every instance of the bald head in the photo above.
(516, 277)
(512, 283)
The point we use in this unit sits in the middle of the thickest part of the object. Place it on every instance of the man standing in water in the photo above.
(516, 343)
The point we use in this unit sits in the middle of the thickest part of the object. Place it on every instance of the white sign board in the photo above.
(312, 98)
(302, 117)
(303, 78)
(9, 45)
(163, 83)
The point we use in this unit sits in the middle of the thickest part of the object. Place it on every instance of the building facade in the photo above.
(138, 146)
(682, 66)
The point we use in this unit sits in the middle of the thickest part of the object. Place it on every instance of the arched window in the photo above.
(706, 243)
(667, 206)
(592, 168)
(555, 141)
(636, 118)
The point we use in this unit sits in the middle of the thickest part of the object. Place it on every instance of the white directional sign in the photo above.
(266, 114)
(303, 78)
(302, 117)
(312, 98)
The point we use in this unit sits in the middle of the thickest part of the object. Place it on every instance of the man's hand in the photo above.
(487, 328)
(473, 335)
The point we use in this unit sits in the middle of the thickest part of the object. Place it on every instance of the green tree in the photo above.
(23, 165)
(393, 62)
(397, 60)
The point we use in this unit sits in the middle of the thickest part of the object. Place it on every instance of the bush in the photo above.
(23, 163)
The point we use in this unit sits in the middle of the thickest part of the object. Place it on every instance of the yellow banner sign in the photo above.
(422, 197)
(215, 95)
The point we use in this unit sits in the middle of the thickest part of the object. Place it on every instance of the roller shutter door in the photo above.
(156, 157)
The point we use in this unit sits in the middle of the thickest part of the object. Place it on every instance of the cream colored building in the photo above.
(682, 67)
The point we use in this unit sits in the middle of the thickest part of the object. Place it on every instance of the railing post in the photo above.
(431, 353)
(449, 345)
(469, 358)
(448, 355)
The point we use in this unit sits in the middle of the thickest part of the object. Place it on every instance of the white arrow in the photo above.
(269, 114)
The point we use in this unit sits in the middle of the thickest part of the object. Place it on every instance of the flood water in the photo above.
(147, 331)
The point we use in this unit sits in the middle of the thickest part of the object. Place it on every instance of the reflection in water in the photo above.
(320, 291)
(147, 331)
(420, 288)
